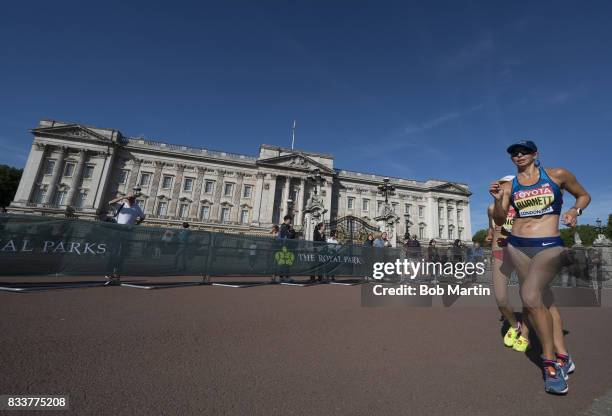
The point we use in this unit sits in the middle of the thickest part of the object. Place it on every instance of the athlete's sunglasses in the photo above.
(521, 152)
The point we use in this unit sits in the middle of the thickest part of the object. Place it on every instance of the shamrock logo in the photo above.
(284, 257)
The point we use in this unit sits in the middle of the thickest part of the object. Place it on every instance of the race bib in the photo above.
(509, 219)
(534, 202)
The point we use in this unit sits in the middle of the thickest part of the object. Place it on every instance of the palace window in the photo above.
(88, 172)
(141, 203)
(228, 189)
(69, 169)
(379, 207)
(350, 203)
(421, 231)
(204, 212)
(123, 174)
(248, 191)
(441, 213)
(244, 216)
(145, 179)
(460, 216)
(167, 182)
(188, 185)
(407, 208)
(49, 167)
(451, 233)
(39, 195)
(183, 210)
(225, 214)
(460, 234)
(365, 205)
(394, 207)
(421, 211)
(162, 208)
(441, 231)
(209, 186)
(60, 197)
(80, 199)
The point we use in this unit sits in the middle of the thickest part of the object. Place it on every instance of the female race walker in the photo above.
(535, 246)
(517, 336)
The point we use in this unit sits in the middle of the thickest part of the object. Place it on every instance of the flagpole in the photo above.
(293, 134)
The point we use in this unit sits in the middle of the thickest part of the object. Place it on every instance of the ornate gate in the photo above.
(350, 229)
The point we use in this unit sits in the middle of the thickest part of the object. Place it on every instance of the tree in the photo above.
(608, 230)
(480, 237)
(9, 181)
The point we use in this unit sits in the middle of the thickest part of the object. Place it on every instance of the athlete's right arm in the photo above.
(501, 196)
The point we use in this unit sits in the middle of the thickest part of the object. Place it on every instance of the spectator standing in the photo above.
(285, 229)
(334, 245)
(333, 237)
(319, 232)
(180, 260)
(269, 262)
(127, 212)
(382, 241)
(413, 250)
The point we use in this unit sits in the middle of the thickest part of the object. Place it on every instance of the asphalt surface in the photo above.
(281, 350)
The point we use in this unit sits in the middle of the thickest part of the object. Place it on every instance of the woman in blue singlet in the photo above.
(535, 245)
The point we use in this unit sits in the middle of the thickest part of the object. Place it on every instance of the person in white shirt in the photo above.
(128, 211)
(333, 237)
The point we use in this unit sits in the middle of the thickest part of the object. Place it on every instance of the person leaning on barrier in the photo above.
(369, 242)
(334, 245)
(382, 241)
(319, 232)
(127, 212)
(274, 231)
(318, 235)
(286, 230)
(413, 247)
(457, 251)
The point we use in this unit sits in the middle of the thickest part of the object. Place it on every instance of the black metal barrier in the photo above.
(49, 246)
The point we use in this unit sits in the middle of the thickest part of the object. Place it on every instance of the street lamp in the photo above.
(598, 227)
(386, 189)
(407, 219)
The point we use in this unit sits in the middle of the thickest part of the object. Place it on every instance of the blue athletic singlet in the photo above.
(542, 198)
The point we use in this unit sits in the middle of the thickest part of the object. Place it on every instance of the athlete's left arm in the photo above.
(568, 181)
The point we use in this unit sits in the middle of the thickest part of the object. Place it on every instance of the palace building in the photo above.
(77, 169)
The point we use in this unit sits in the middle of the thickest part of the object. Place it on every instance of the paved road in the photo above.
(280, 350)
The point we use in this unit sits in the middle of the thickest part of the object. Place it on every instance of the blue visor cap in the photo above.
(527, 144)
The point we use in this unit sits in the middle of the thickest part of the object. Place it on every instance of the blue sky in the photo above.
(418, 90)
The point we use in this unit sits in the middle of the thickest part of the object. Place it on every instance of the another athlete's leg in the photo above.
(520, 262)
(500, 291)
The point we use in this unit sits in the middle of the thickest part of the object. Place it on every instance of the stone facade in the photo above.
(72, 165)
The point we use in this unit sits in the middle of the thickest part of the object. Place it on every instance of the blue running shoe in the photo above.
(554, 381)
(567, 364)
